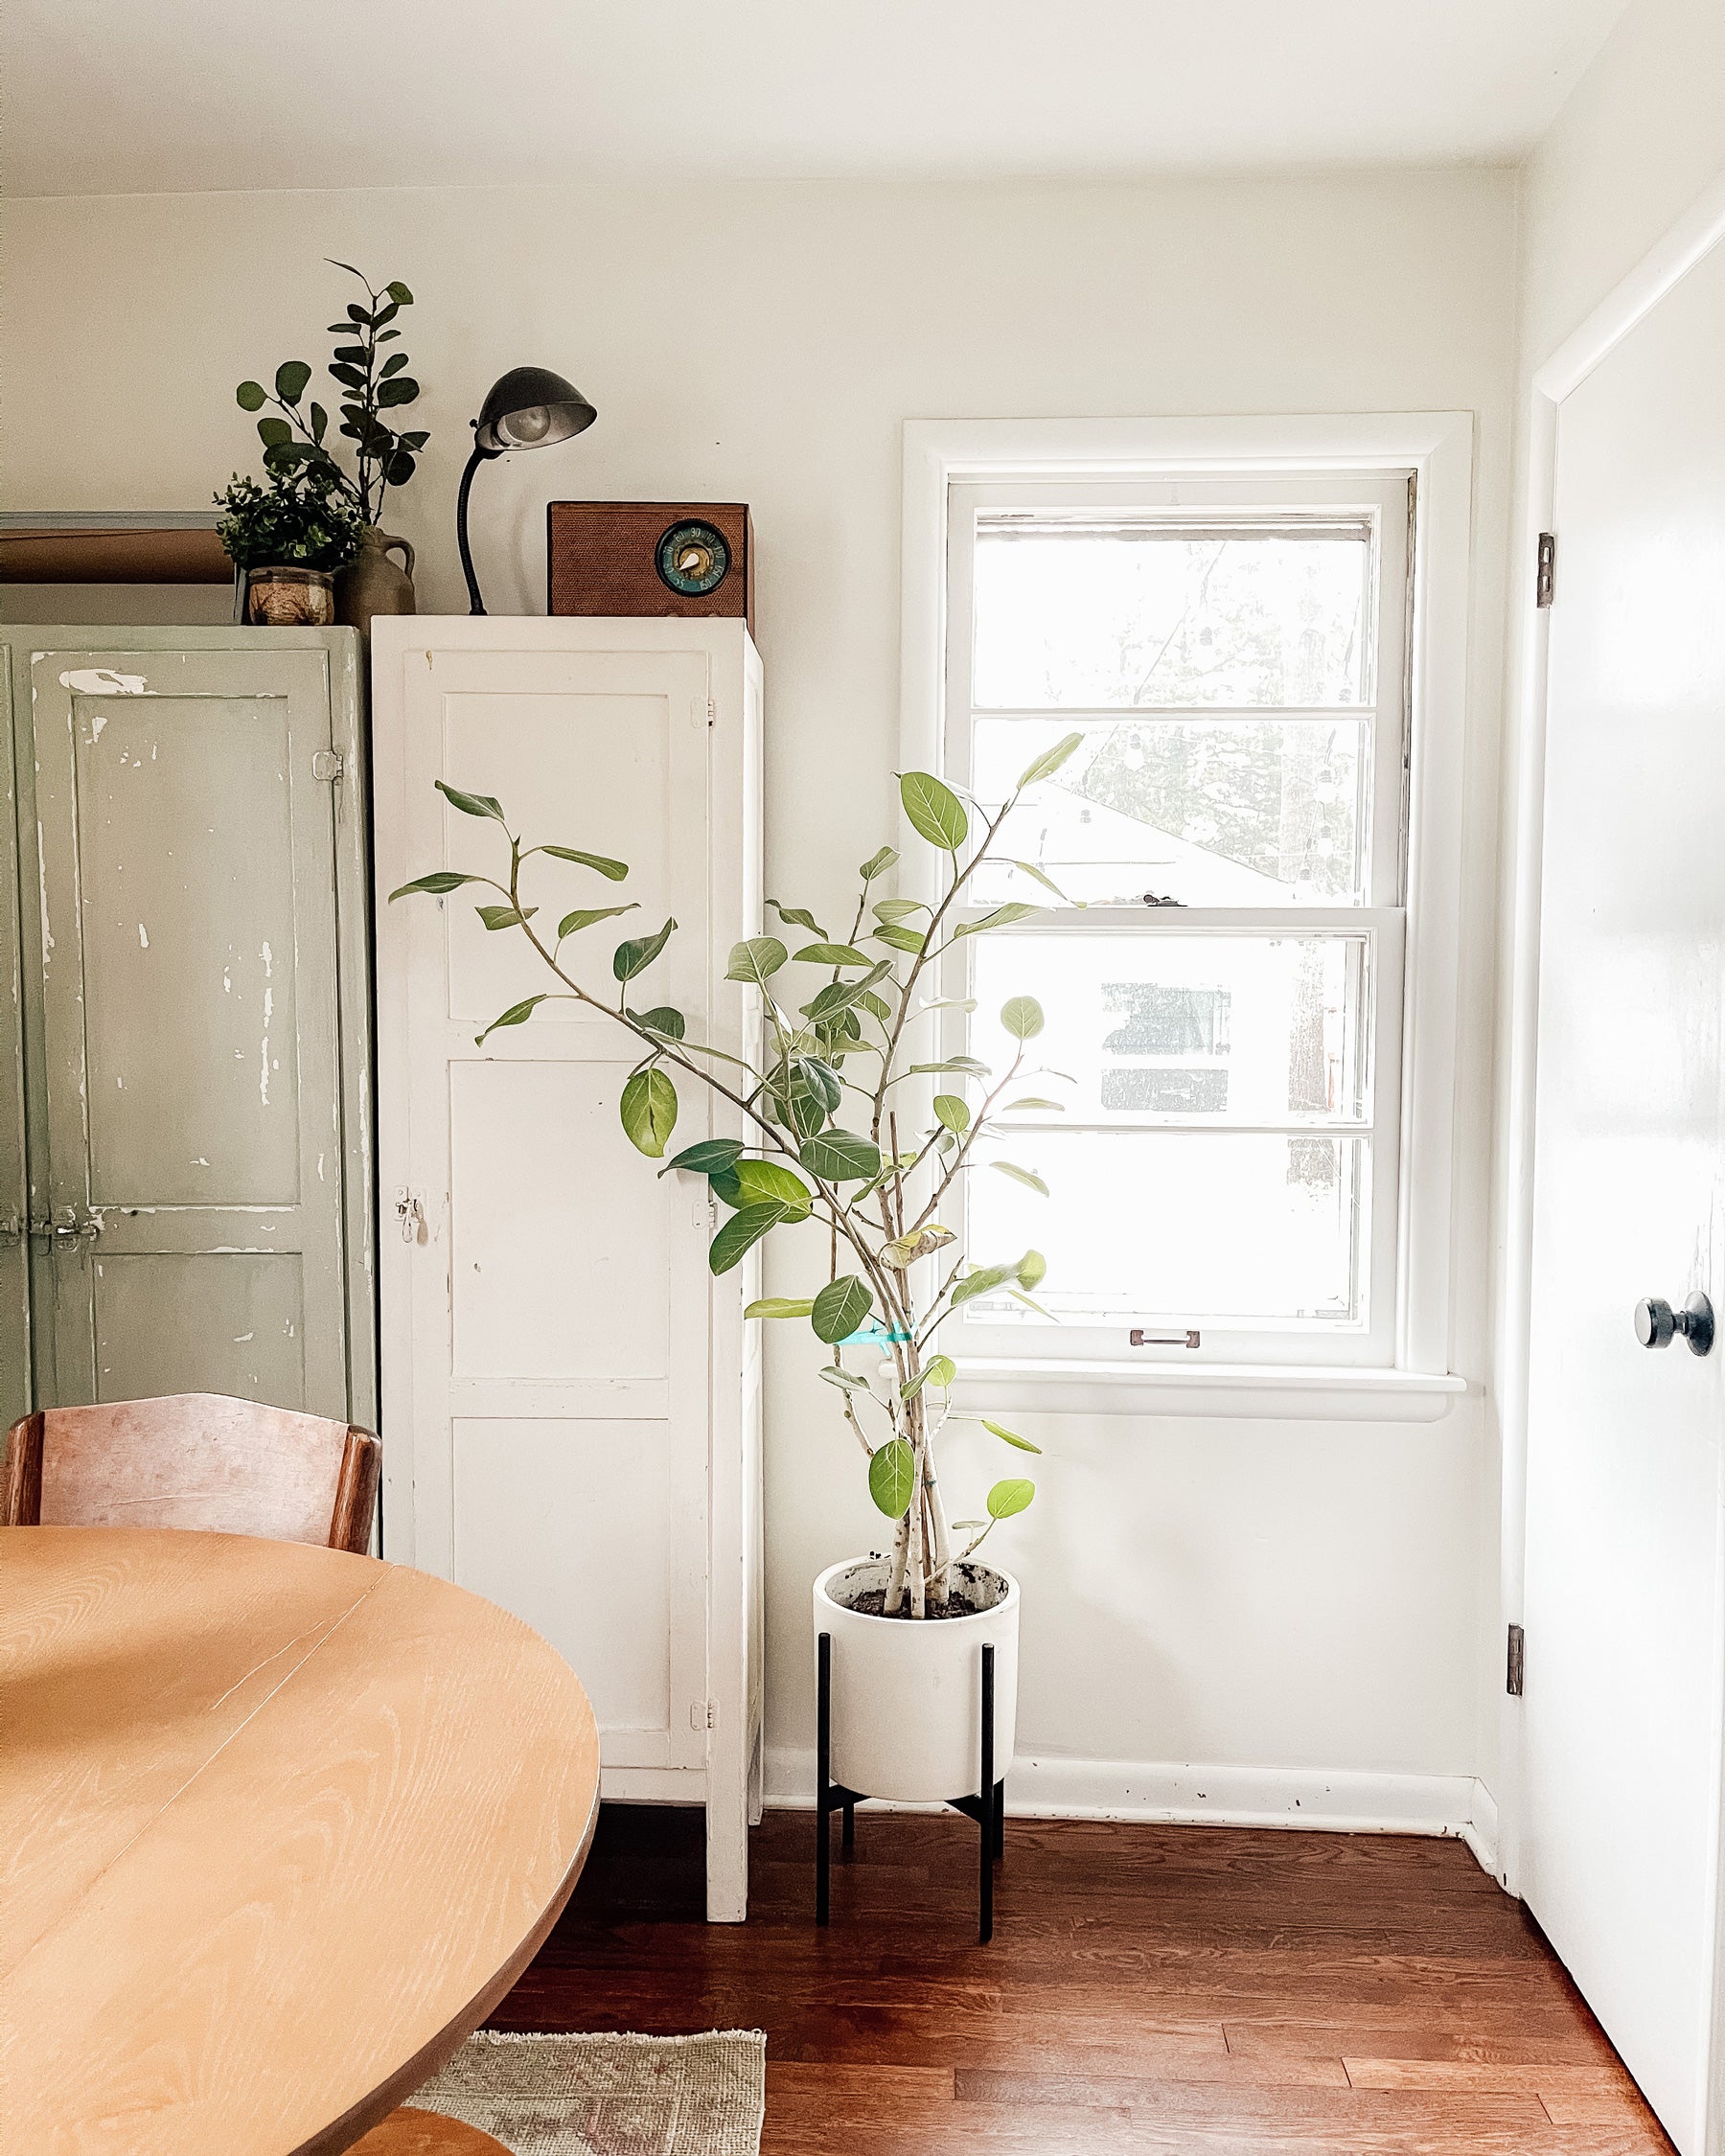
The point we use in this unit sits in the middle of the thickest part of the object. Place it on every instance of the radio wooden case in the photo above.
(602, 558)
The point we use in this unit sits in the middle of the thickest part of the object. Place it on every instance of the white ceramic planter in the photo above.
(908, 1697)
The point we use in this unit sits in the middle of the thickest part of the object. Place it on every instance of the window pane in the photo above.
(1243, 1028)
(1165, 1226)
(1211, 812)
(1094, 614)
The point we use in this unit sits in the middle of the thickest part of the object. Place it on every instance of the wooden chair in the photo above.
(426, 2133)
(193, 1460)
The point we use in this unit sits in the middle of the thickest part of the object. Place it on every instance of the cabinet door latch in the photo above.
(326, 764)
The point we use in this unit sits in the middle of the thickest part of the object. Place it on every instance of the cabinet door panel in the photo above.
(15, 1389)
(191, 1031)
(556, 1381)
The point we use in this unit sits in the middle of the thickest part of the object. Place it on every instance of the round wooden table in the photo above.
(279, 1826)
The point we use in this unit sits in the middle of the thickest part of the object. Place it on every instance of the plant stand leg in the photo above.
(999, 1811)
(990, 1798)
(823, 1753)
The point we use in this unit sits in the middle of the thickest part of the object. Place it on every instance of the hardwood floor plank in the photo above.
(1148, 1989)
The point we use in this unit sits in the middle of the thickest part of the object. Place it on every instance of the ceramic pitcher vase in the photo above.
(372, 584)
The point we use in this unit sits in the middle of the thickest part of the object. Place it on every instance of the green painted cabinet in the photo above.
(188, 940)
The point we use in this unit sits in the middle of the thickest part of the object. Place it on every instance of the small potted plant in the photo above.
(827, 1135)
(289, 537)
(370, 382)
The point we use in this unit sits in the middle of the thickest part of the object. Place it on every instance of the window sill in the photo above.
(1266, 1393)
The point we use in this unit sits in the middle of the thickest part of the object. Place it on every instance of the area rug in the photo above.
(609, 2096)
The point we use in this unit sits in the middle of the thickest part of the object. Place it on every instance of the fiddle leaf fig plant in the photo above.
(825, 1138)
(369, 382)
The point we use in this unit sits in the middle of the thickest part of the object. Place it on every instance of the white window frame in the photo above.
(941, 455)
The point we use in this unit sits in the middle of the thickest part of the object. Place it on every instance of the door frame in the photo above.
(1694, 236)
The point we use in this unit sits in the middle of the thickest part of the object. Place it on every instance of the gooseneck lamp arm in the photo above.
(527, 408)
(475, 604)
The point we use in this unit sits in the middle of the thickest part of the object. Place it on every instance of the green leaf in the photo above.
(649, 1111)
(1011, 1437)
(756, 960)
(399, 293)
(877, 1006)
(935, 811)
(292, 377)
(897, 909)
(320, 420)
(740, 1233)
(953, 1111)
(903, 1251)
(893, 1478)
(707, 1157)
(518, 1013)
(1027, 1175)
(938, 1369)
(471, 804)
(1023, 1016)
(810, 1075)
(353, 354)
(1010, 1497)
(1002, 917)
(249, 395)
(402, 390)
(1034, 1100)
(1050, 760)
(662, 1019)
(983, 1281)
(1048, 883)
(505, 916)
(274, 433)
(635, 957)
(840, 995)
(583, 917)
(1032, 1268)
(847, 1380)
(798, 917)
(765, 1182)
(723, 1186)
(901, 939)
(967, 1064)
(841, 1157)
(840, 1307)
(877, 864)
(832, 955)
(615, 870)
(440, 880)
(778, 1306)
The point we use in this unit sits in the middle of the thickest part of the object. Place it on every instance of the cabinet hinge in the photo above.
(1545, 570)
(325, 763)
(1517, 1661)
(703, 1714)
(712, 713)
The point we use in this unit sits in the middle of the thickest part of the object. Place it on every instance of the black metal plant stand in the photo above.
(988, 1809)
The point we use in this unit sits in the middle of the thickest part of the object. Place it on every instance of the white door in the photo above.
(546, 1329)
(1622, 1605)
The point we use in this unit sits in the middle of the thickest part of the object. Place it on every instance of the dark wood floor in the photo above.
(1148, 1988)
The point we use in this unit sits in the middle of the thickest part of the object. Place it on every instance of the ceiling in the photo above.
(153, 96)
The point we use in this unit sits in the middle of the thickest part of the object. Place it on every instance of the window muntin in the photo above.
(1227, 999)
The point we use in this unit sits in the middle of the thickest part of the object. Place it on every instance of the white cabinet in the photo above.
(570, 1401)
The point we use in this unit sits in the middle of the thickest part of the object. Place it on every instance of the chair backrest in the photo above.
(194, 1459)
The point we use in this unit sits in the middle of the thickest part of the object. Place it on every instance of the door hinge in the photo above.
(326, 764)
(1517, 1661)
(703, 1714)
(1545, 570)
(712, 713)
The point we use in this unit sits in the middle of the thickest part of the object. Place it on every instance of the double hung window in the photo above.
(1222, 972)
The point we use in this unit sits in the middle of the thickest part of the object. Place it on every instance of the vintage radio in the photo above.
(689, 559)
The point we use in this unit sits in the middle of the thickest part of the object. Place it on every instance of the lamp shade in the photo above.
(528, 408)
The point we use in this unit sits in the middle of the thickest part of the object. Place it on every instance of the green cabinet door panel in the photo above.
(14, 1194)
(203, 1045)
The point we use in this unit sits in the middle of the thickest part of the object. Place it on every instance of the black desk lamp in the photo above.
(527, 408)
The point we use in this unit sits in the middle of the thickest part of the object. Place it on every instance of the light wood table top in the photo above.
(278, 1827)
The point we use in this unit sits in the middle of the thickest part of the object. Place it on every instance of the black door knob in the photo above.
(1657, 1325)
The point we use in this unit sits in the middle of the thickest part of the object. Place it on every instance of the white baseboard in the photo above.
(1456, 1805)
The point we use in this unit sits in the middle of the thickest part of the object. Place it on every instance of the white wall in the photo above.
(1298, 1602)
(1641, 137)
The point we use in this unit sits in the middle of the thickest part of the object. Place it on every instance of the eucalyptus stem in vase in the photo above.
(824, 1139)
